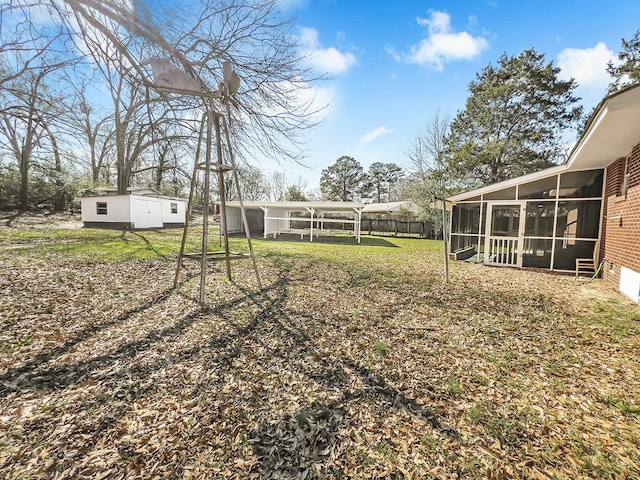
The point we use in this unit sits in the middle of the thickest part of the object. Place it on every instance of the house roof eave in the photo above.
(611, 132)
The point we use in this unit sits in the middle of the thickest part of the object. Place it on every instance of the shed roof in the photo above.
(112, 192)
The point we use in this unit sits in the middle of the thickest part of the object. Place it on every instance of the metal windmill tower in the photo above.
(169, 79)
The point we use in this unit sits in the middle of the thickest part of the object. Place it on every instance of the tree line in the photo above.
(78, 109)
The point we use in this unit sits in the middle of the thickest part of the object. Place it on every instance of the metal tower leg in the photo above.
(212, 121)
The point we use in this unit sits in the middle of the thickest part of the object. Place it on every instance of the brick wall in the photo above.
(621, 225)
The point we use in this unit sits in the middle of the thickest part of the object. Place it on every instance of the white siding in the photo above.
(117, 209)
(137, 211)
(179, 217)
(234, 220)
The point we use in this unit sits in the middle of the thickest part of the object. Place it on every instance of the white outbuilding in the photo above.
(137, 209)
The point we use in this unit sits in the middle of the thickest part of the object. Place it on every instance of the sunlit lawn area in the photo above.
(353, 361)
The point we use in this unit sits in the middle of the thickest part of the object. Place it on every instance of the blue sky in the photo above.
(395, 63)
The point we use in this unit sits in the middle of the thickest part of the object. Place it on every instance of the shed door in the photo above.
(505, 225)
(147, 213)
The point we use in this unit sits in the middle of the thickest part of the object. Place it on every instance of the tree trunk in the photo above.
(24, 184)
(162, 167)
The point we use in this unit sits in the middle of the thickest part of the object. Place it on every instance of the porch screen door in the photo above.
(505, 227)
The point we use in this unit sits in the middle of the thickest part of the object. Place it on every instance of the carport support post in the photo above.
(444, 239)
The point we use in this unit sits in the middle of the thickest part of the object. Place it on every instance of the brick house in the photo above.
(586, 207)
(621, 225)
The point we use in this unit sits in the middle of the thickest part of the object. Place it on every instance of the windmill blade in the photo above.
(231, 78)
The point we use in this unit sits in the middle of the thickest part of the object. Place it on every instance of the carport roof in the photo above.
(391, 207)
(321, 205)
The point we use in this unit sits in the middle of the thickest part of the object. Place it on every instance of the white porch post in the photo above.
(312, 212)
(358, 222)
(265, 213)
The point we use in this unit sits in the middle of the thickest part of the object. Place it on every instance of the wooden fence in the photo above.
(397, 227)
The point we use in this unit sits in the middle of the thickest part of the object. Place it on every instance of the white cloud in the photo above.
(325, 60)
(373, 134)
(587, 65)
(292, 4)
(443, 44)
(313, 100)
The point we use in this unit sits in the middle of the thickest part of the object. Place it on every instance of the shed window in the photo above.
(101, 208)
(174, 207)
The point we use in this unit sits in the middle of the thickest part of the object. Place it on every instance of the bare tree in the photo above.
(426, 153)
(24, 44)
(429, 177)
(26, 122)
(274, 103)
(92, 130)
(278, 186)
(253, 184)
(272, 114)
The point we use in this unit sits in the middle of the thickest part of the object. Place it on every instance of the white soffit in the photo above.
(614, 131)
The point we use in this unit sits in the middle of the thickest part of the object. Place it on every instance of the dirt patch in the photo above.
(30, 220)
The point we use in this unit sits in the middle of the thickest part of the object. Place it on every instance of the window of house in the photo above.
(174, 207)
(101, 208)
(625, 177)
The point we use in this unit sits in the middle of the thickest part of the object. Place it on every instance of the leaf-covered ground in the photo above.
(352, 362)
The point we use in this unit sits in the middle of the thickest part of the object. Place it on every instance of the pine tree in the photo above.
(513, 121)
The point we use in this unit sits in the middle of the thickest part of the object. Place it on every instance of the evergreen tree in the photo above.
(295, 194)
(380, 179)
(513, 121)
(628, 72)
(343, 180)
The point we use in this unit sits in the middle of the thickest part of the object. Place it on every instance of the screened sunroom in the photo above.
(543, 220)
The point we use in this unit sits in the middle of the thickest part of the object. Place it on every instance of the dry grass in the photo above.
(352, 362)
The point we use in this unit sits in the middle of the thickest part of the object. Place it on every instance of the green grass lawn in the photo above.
(353, 361)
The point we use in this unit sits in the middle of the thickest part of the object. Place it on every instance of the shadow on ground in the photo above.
(305, 444)
(327, 239)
